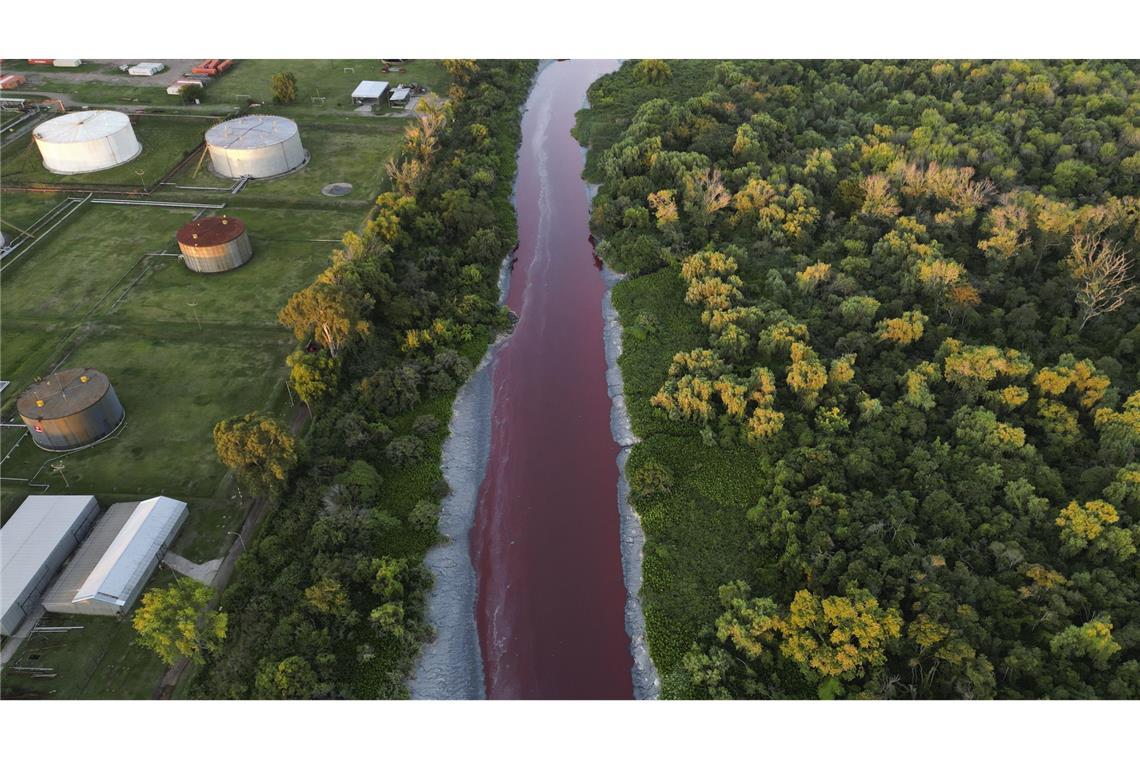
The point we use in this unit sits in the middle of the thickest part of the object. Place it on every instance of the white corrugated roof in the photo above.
(81, 126)
(255, 131)
(369, 89)
(401, 93)
(30, 536)
(128, 557)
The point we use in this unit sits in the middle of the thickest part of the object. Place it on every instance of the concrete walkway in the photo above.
(203, 573)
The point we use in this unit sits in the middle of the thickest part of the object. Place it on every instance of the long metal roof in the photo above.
(32, 534)
(121, 569)
(82, 126)
(254, 131)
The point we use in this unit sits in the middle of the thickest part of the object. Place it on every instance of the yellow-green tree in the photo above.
(839, 636)
(173, 622)
(257, 449)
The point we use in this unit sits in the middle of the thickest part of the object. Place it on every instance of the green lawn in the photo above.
(165, 141)
(353, 150)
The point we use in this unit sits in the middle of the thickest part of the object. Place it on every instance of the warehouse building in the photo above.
(70, 409)
(113, 565)
(214, 244)
(34, 544)
(86, 141)
(255, 146)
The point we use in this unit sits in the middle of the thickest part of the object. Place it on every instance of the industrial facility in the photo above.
(86, 141)
(255, 146)
(34, 544)
(109, 571)
(214, 244)
(70, 409)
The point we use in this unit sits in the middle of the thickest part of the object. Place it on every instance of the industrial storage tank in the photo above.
(214, 244)
(86, 141)
(70, 409)
(255, 146)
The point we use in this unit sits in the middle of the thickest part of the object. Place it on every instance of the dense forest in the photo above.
(328, 602)
(882, 351)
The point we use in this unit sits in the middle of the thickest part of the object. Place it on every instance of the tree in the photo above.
(1102, 273)
(654, 71)
(330, 312)
(258, 450)
(313, 375)
(291, 678)
(284, 86)
(173, 622)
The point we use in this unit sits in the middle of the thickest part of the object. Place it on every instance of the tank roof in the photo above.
(82, 126)
(254, 131)
(63, 394)
(210, 230)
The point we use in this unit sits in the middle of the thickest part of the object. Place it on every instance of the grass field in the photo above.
(183, 350)
(327, 79)
(352, 151)
(165, 141)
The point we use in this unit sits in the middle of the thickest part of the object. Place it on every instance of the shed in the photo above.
(69, 63)
(111, 567)
(401, 97)
(369, 91)
(34, 544)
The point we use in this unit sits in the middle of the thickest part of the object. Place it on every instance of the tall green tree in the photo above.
(173, 622)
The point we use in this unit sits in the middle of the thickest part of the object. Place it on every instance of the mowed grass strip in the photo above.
(63, 277)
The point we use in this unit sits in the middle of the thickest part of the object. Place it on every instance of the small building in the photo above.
(214, 244)
(146, 69)
(11, 81)
(71, 409)
(34, 544)
(401, 97)
(113, 565)
(368, 92)
(67, 63)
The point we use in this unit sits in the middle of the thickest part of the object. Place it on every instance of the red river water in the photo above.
(545, 543)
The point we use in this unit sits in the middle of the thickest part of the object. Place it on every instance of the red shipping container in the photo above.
(39, 61)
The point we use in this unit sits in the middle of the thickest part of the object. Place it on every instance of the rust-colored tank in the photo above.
(70, 409)
(214, 244)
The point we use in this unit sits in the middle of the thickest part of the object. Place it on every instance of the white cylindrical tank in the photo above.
(255, 146)
(86, 141)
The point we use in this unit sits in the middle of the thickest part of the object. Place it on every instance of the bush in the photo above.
(424, 516)
(405, 450)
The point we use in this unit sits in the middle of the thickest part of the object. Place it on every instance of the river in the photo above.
(529, 600)
(545, 544)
